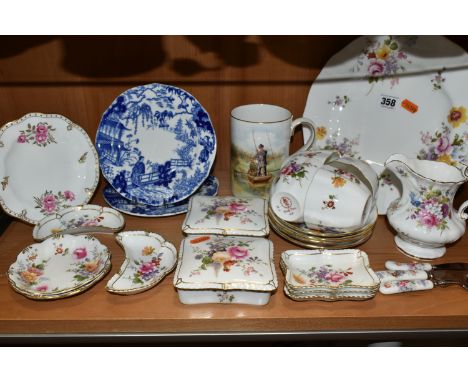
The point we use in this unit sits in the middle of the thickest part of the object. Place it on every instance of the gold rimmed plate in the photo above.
(59, 267)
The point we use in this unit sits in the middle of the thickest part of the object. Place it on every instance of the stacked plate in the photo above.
(300, 235)
(59, 267)
(328, 275)
(156, 147)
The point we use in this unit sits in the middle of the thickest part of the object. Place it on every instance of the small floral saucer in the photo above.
(227, 216)
(117, 201)
(82, 219)
(328, 275)
(148, 259)
(59, 267)
(225, 269)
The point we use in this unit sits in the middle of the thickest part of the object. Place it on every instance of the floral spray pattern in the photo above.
(339, 101)
(32, 273)
(39, 135)
(381, 59)
(225, 209)
(446, 145)
(48, 203)
(82, 221)
(341, 177)
(438, 80)
(222, 255)
(330, 203)
(325, 274)
(146, 270)
(430, 208)
(345, 146)
(86, 264)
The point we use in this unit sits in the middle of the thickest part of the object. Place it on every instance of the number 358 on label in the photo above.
(388, 102)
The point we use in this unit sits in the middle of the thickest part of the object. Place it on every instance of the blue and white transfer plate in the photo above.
(156, 144)
(115, 200)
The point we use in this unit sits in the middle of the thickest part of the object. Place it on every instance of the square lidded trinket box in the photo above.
(225, 269)
(227, 215)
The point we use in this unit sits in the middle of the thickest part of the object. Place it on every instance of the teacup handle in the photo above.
(307, 123)
(461, 211)
(463, 168)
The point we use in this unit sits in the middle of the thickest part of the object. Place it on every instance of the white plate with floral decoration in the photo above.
(47, 163)
(226, 215)
(59, 267)
(81, 219)
(148, 259)
(225, 269)
(382, 95)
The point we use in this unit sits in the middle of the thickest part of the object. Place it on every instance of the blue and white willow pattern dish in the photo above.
(115, 200)
(156, 144)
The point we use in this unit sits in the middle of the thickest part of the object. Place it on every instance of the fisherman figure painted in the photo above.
(261, 158)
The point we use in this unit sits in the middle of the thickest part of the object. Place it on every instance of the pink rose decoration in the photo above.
(287, 170)
(443, 146)
(41, 129)
(50, 203)
(146, 267)
(22, 138)
(238, 252)
(428, 219)
(42, 288)
(90, 223)
(376, 68)
(41, 138)
(80, 253)
(290, 169)
(69, 195)
(334, 277)
(237, 207)
(401, 55)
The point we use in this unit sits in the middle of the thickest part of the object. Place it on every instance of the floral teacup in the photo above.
(288, 193)
(337, 199)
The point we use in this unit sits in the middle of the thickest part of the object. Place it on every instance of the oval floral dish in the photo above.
(148, 259)
(61, 266)
(47, 163)
(82, 219)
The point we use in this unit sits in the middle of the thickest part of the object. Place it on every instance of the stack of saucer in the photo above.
(156, 147)
(326, 237)
(328, 275)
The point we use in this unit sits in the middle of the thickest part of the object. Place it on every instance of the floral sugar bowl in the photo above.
(226, 216)
(226, 270)
(424, 217)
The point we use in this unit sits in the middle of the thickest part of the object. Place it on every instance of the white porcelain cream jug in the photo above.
(423, 216)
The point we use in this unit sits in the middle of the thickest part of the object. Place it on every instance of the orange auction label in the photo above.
(410, 106)
(199, 239)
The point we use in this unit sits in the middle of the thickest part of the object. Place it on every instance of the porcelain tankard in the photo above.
(423, 216)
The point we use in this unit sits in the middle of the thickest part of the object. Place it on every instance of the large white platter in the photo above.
(47, 163)
(358, 101)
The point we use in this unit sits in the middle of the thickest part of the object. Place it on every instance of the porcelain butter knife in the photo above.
(401, 286)
(396, 266)
(411, 276)
(385, 276)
